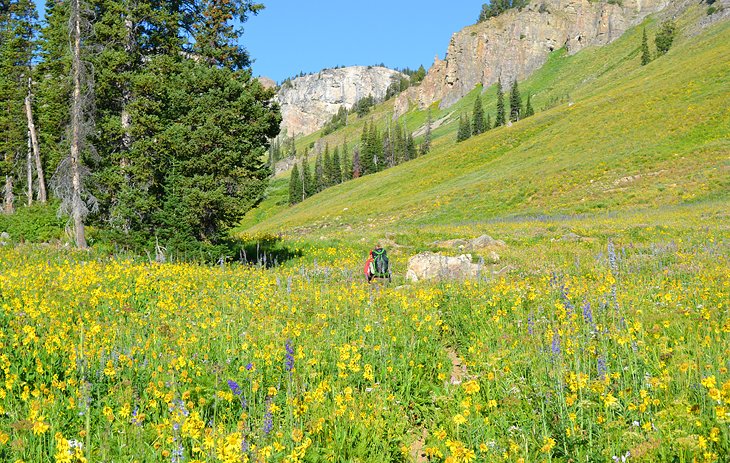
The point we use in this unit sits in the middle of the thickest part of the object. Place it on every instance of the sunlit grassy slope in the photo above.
(609, 135)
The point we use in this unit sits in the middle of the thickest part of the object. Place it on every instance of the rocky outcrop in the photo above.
(309, 102)
(431, 266)
(517, 43)
(266, 82)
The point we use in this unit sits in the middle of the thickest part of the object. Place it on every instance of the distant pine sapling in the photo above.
(464, 128)
(426, 144)
(529, 111)
(645, 55)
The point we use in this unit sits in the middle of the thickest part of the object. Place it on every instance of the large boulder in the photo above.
(431, 266)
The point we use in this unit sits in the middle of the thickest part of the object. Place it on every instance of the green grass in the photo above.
(620, 137)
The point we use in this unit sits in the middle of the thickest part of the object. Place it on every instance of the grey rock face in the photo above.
(517, 43)
(309, 102)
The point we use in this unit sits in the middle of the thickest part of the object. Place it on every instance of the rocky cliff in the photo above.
(516, 43)
(308, 102)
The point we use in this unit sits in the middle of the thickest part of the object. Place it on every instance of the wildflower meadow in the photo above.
(603, 350)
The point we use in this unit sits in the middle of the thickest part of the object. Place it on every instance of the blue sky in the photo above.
(290, 36)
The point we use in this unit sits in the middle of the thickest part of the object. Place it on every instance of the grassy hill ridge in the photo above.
(619, 136)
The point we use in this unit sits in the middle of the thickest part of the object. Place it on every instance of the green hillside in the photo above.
(609, 135)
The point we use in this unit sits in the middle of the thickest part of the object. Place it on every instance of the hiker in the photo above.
(377, 265)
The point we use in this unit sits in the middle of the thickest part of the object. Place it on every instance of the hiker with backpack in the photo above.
(377, 265)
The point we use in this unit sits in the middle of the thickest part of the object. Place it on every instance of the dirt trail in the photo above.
(458, 367)
(418, 446)
(458, 374)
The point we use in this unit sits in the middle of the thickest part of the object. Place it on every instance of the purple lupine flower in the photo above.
(530, 324)
(249, 365)
(235, 388)
(587, 313)
(569, 307)
(601, 367)
(556, 344)
(177, 454)
(289, 361)
(268, 418)
(612, 257)
(134, 420)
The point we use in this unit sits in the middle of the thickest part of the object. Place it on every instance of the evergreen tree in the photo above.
(365, 154)
(515, 102)
(500, 119)
(411, 151)
(53, 92)
(336, 167)
(375, 145)
(419, 75)
(529, 111)
(464, 128)
(328, 177)
(309, 187)
(388, 153)
(645, 55)
(18, 24)
(426, 144)
(488, 123)
(346, 163)
(319, 173)
(478, 122)
(295, 186)
(665, 36)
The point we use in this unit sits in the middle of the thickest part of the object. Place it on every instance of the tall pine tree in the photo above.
(515, 102)
(645, 55)
(478, 123)
(295, 186)
(501, 117)
(18, 25)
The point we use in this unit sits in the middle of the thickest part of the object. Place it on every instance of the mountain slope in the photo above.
(627, 137)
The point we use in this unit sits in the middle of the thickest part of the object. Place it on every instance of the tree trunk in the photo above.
(29, 171)
(77, 206)
(42, 196)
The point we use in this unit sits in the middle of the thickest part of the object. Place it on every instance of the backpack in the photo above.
(381, 267)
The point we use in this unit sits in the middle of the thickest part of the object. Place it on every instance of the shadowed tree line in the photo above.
(144, 114)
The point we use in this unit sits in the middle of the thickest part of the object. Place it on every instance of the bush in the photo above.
(665, 37)
(38, 223)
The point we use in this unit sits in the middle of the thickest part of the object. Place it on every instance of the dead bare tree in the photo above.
(33, 141)
(68, 180)
(29, 172)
